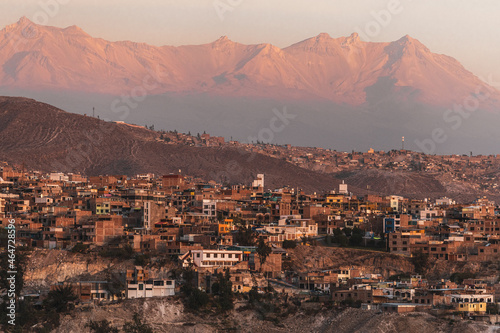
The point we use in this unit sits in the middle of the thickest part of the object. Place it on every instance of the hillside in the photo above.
(48, 139)
(168, 315)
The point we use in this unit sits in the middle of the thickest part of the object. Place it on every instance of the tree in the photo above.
(356, 239)
(224, 289)
(263, 250)
(245, 236)
(340, 238)
(60, 298)
(196, 300)
(420, 261)
(103, 326)
(137, 326)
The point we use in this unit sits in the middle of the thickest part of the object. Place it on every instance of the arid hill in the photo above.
(48, 139)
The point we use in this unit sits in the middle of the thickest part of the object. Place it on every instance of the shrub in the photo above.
(79, 248)
(137, 326)
(103, 326)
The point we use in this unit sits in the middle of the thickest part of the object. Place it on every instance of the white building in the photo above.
(210, 207)
(429, 214)
(471, 298)
(212, 258)
(151, 288)
(44, 200)
(58, 177)
(343, 188)
(291, 229)
(396, 203)
(259, 182)
(444, 202)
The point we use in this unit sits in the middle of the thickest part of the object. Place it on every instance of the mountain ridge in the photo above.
(321, 67)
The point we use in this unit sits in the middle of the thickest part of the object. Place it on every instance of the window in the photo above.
(197, 255)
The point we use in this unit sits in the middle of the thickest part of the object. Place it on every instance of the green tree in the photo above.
(60, 298)
(224, 291)
(245, 236)
(340, 238)
(263, 250)
(459, 277)
(137, 326)
(356, 239)
(420, 261)
(196, 300)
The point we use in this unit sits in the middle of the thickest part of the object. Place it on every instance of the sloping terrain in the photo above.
(168, 315)
(48, 139)
(306, 258)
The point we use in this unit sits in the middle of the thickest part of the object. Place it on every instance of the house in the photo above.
(88, 291)
(211, 258)
(399, 307)
(150, 288)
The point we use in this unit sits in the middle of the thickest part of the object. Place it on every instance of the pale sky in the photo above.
(464, 29)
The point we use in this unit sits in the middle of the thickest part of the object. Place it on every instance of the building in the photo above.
(153, 213)
(470, 307)
(212, 258)
(150, 288)
(210, 207)
(259, 182)
(399, 307)
(88, 291)
(173, 181)
(2, 207)
(291, 229)
(343, 188)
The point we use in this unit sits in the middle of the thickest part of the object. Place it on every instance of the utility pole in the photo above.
(93, 112)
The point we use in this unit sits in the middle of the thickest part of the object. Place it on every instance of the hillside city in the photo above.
(475, 172)
(209, 243)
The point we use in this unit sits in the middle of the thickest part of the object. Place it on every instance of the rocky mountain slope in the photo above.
(168, 315)
(343, 70)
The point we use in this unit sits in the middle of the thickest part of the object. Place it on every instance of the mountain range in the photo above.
(344, 93)
(344, 70)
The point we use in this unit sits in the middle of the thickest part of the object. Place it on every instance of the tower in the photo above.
(403, 143)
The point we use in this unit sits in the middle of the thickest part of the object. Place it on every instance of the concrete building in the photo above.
(150, 288)
(212, 258)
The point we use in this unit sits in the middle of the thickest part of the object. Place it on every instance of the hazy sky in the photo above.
(465, 29)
